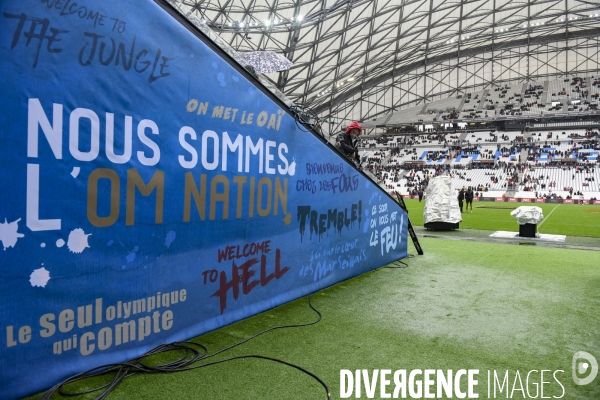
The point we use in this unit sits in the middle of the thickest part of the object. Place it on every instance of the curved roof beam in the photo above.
(540, 40)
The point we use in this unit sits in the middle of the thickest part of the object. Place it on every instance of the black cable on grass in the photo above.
(397, 265)
(192, 353)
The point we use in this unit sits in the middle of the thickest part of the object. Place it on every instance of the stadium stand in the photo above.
(554, 161)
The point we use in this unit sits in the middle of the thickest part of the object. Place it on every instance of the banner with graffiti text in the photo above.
(151, 192)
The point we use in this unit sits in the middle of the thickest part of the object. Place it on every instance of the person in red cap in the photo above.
(346, 141)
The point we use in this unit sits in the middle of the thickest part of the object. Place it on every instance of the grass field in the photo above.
(462, 305)
(559, 219)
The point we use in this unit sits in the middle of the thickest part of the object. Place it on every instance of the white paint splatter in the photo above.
(42, 245)
(292, 168)
(75, 172)
(9, 234)
(39, 277)
(60, 243)
(170, 238)
(78, 241)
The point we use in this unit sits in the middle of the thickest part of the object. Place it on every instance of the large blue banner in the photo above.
(151, 193)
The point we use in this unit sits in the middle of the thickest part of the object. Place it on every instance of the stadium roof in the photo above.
(349, 54)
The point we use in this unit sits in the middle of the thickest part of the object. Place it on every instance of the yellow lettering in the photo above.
(264, 196)
(217, 112)
(263, 212)
(216, 196)
(192, 105)
(240, 180)
(202, 108)
(251, 205)
(191, 191)
(280, 195)
(134, 180)
(92, 200)
(261, 120)
(272, 122)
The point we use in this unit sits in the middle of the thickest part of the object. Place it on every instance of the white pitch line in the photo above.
(548, 216)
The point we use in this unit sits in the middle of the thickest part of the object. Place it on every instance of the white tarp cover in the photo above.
(528, 215)
(441, 202)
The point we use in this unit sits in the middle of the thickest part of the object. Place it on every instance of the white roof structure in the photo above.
(362, 59)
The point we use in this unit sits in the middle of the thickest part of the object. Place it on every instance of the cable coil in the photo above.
(192, 353)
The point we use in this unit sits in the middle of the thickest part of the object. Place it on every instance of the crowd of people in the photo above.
(576, 99)
(414, 173)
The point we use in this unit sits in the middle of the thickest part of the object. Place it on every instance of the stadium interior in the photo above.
(501, 97)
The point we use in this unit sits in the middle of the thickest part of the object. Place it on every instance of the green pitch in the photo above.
(559, 219)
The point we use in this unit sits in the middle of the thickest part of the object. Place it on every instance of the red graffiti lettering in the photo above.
(243, 274)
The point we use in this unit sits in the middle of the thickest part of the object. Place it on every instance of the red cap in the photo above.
(354, 125)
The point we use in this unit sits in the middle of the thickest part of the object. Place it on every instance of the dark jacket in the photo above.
(469, 195)
(461, 195)
(344, 143)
